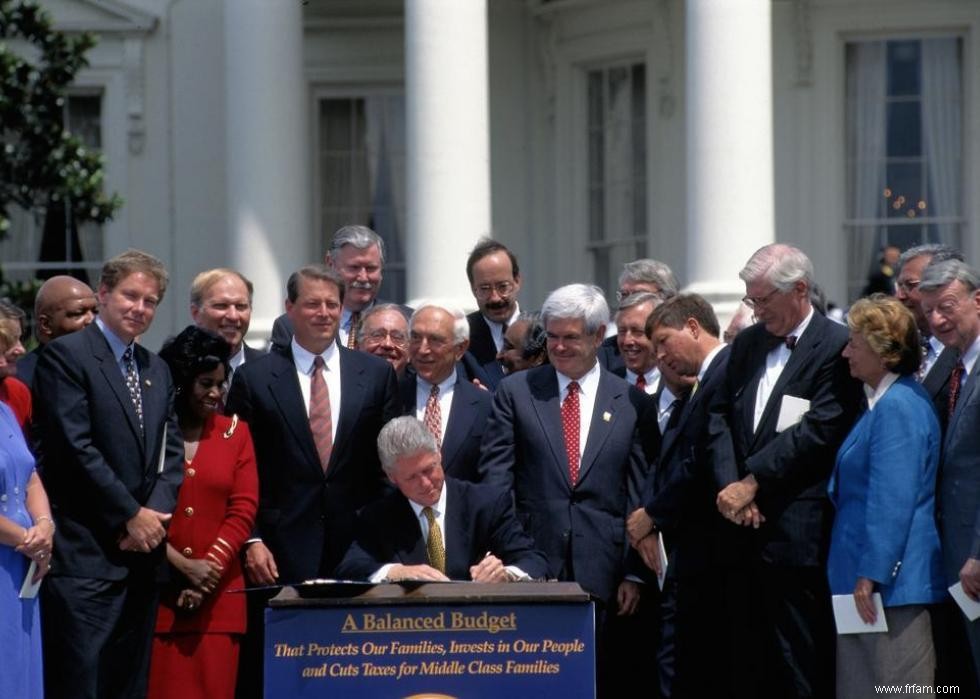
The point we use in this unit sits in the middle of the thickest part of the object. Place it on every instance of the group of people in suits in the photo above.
(751, 479)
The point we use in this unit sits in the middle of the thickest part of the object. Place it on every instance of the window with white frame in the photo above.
(904, 148)
(617, 170)
(47, 241)
(361, 174)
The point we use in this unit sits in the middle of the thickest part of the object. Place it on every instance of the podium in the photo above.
(430, 640)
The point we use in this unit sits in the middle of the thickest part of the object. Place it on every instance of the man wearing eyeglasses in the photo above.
(787, 403)
(495, 280)
(384, 333)
(938, 360)
(950, 292)
(439, 393)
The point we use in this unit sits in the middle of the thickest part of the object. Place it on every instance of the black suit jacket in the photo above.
(306, 517)
(936, 383)
(483, 350)
(478, 519)
(680, 493)
(580, 528)
(251, 354)
(792, 467)
(610, 357)
(468, 414)
(97, 466)
(25, 365)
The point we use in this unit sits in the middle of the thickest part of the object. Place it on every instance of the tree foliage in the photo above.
(40, 161)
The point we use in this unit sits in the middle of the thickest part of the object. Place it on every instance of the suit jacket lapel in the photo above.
(114, 378)
(456, 534)
(966, 391)
(457, 427)
(153, 387)
(351, 398)
(604, 413)
(939, 372)
(284, 385)
(408, 532)
(549, 416)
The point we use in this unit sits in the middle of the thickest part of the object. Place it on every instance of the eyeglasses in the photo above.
(396, 336)
(908, 285)
(484, 291)
(756, 301)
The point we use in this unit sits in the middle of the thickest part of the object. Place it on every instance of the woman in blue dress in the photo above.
(26, 533)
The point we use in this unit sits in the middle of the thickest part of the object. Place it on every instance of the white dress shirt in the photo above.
(497, 329)
(933, 349)
(652, 378)
(303, 359)
(775, 363)
(665, 408)
(588, 388)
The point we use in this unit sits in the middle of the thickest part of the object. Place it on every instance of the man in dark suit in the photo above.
(63, 305)
(787, 404)
(495, 280)
(357, 254)
(221, 301)
(436, 528)
(452, 409)
(951, 303)
(644, 275)
(315, 409)
(938, 360)
(564, 438)
(311, 480)
(679, 504)
(111, 458)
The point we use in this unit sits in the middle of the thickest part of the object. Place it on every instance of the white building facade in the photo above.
(581, 133)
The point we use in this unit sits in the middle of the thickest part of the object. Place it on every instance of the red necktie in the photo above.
(570, 426)
(641, 382)
(955, 381)
(320, 421)
(433, 416)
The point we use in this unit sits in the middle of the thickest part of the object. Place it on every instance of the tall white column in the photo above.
(267, 150)
(730, 210)
(448, 143)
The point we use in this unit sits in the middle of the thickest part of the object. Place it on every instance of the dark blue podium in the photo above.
(446, 640)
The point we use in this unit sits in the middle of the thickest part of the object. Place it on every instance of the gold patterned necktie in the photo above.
(432, 418)
(434, 547)
(355, 322)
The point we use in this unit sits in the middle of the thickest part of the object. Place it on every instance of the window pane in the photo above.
(904, 129)
(903, 68)
(904, 185)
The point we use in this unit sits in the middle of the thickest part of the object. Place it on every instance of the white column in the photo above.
(448, 143)
(730, 211)
(267, 150)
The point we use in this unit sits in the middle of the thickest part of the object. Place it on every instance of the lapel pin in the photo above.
(606, 416)
(147, 382)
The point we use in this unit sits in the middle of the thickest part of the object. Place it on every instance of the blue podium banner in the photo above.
(430, 651)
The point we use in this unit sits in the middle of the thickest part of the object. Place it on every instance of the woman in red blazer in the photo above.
(200, 623)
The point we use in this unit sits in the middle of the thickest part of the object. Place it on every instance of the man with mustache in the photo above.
(495, 281)
(357, 254)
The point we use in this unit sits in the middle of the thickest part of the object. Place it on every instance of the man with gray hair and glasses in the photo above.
(937, 359)
(357, 254)
(786, 406)
(950, 293)
(435, 527)
(643, 275)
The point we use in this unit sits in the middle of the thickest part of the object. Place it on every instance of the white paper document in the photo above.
(791, 411)
(969, 606)
(847, 619)
(662, 555)
(29, 590)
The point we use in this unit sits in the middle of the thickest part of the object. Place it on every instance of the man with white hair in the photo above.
(453, 410)
(787, 404)
(564, 438)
